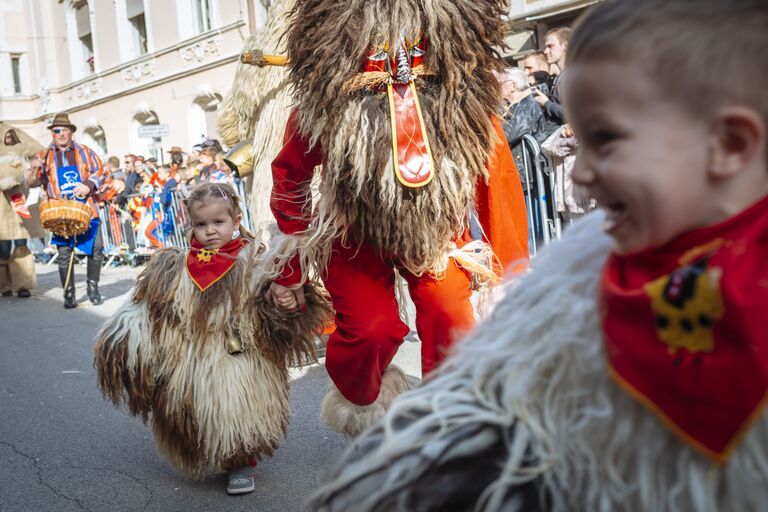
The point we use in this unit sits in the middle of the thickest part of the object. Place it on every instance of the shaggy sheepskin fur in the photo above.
(350, 419)
(164, 354)
(524, 416)
(359, 194)
(257, 109)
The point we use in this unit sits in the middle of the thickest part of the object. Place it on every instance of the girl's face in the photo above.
(212, 222)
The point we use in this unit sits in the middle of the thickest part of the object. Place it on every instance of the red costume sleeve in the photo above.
(291, 202)
(501, 207)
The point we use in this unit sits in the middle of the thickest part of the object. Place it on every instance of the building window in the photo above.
(16, 73)
(203, 17)
(95, 138)
(83, 21)
(135, 13)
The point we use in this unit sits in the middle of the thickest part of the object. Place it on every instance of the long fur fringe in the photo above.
(360, 197)
(257, 108)
(164, 354)
(525, 416)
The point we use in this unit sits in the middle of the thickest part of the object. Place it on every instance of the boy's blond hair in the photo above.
(687, 46)
(563, 34)
(539, 56)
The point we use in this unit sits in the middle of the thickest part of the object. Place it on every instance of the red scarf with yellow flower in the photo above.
(685, 329)
(207, 266)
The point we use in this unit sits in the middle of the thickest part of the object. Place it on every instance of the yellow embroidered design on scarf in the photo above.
(205, 255)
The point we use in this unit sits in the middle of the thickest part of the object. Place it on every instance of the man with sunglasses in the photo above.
(73, 171)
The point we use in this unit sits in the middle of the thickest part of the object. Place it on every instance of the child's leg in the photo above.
(368, 326)
(443, 312)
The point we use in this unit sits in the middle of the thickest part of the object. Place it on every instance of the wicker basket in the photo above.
(65, 217)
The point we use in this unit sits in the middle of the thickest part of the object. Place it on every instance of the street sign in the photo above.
(152, 131)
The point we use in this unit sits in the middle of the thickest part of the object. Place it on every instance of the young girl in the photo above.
(200, 349)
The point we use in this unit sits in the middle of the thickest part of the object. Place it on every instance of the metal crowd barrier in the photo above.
(126, 242)
(543, 219)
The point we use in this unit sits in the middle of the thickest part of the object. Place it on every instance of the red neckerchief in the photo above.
(206, 266)
(685, 329)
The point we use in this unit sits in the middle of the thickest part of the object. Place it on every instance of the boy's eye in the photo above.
(602, 137)
(200, 225)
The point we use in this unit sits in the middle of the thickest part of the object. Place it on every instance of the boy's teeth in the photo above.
(613, 214)
(615, 210)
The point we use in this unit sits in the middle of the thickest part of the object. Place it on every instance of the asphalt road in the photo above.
(64, 448)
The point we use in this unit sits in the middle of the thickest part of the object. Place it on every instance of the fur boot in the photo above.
(21, 269)
(350, 419)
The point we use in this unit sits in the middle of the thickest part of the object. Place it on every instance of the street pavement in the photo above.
(64, 448)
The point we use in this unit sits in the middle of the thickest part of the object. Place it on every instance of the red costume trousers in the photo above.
(368, 325)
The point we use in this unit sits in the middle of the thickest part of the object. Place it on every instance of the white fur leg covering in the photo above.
(350, 419)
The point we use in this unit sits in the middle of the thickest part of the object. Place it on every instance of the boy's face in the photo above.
(553, 49)
(533, 64)
(642, 156)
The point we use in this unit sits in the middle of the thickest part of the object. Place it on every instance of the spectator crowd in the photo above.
(147, 196)
(532, 106)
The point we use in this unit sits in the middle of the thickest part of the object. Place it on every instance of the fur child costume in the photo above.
(529, 414)
(171, 352)
(396, 100)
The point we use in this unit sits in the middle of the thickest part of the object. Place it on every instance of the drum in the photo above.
(65, 217)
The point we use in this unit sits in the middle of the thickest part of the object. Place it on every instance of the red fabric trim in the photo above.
(206, 268)
(292, 172)
(501, 207)
(684, 330)
(500, 204)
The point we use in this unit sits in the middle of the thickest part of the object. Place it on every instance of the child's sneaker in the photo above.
(241, 481)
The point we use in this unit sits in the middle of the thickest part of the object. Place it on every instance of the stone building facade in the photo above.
(117, 65)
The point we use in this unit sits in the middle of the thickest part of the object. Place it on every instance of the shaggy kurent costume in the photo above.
(650, 398)
(257, 108)
(17, 265)
(200, 350)
(396, 100)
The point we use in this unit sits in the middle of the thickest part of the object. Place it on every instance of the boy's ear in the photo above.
(737, 137)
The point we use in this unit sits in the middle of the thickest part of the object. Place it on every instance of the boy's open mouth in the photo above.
(615, 213)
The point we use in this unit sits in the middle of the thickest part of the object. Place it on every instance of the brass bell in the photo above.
(240, 158)
(234, 346)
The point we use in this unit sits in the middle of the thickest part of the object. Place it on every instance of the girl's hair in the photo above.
(206, 192)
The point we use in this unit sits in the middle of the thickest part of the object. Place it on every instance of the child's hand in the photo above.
(286, 298)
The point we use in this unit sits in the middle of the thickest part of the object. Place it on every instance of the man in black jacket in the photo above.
(521, 116)
(555, 49)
